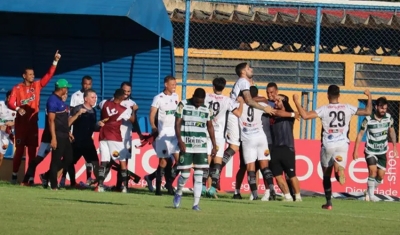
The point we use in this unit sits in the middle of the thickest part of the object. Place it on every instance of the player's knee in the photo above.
(229, 152)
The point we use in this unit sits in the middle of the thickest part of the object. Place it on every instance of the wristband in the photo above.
(292, 115)
(16, 109)
(55, 63)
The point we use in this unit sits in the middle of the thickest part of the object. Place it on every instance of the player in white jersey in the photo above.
(220, 105)
(162, 120)
(254, 143)
(335, 118)
(7, 117)
(378, 126)
(77, 98)
(240, 88)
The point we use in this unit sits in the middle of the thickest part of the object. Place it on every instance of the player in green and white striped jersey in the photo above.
(192, 122)
(378, 126)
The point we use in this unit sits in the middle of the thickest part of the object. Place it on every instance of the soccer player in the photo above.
(7, 117)
(162, 122)
(335, 119)
(25, 99)
(220, 105)
(58, 113)
(111, 141)
(85, 123)
(241, 87)
(378, 126)
(77, 98)
(283, 157)
(193, 121)
(255, 144)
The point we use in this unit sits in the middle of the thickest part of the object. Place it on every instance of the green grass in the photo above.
(34, 210)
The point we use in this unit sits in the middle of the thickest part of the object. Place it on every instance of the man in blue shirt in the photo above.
(58, 115)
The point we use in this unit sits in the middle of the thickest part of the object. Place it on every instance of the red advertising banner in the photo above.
(144, 161)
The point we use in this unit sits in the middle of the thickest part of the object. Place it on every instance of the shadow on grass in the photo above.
(86, 201)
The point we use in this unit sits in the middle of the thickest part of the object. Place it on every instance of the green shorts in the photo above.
(381, 160)
(195, 160)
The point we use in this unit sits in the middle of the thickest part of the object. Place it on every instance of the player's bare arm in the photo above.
(357, 144)
(260, 99)
(46, 78)
(252, 103)
(178, 124)
(211, 132)
(136, 125)
(368, 110)
(239, 110)
(52, 125)
(392, 134)
(306, 115)
(153, 113)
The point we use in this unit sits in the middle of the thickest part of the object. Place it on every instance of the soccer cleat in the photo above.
(158, 193)
(327, 207)
(342, 177)
(149, 183)
(287, 199)
(251, 197)
(100, 189)
(196, 208)
(272, 197)
(266, 197)
(124, 190)
(237, 196)
(31, 181)
(366, 196)
(177, 200)
(89, 181)
(299, 199)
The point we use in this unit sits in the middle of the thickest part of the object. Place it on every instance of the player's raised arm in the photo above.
(368, 110)
(252, 103)
(303, 113)
(359, 138)
(46, 78)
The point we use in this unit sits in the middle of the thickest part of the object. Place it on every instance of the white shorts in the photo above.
(4, 141)
(336, 153)
(233, 130)
(113, 149)
(165, 145)
(255, 149)
(44, 149)
(221, 142)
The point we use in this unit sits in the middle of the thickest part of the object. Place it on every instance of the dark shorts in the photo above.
(283, 159)
(379, 160)
(88, 152)
(27, 135)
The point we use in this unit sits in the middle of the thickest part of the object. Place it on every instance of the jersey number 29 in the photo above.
(338, 119)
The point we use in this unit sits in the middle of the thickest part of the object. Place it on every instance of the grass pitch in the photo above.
(38, 211)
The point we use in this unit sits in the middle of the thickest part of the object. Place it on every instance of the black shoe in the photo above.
(237, 196)
(158, 193)
(272, 196)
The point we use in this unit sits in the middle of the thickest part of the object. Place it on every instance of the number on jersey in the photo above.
(215, 106)
(338, 119)
(250, 114)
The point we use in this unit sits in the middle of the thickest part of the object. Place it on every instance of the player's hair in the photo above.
(26, 69)
(285, 102)
(119, 94)
(199, 93)
(219, 83)
(272, 84)
(87, 92)
(8, 94)
(333, 91)
(381, 101)
(169, 78)
(125, 83)
(86, 77)
(253, 91)
(239, 68)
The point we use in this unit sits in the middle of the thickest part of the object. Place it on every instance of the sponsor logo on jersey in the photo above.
(26, 101)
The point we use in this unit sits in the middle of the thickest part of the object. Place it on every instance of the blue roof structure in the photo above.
(153, 17)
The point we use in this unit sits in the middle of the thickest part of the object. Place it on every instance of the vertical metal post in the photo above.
(186, 50)
(316, 67)
(159, 65)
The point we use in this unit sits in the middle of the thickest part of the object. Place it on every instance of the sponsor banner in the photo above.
(144, 161)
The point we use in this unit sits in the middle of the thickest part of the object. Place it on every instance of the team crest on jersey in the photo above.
(338, 158)
(181, 159)
(115, 154)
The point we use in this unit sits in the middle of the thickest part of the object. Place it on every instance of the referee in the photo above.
(84, 126)
(58, 114)
(283, 157)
